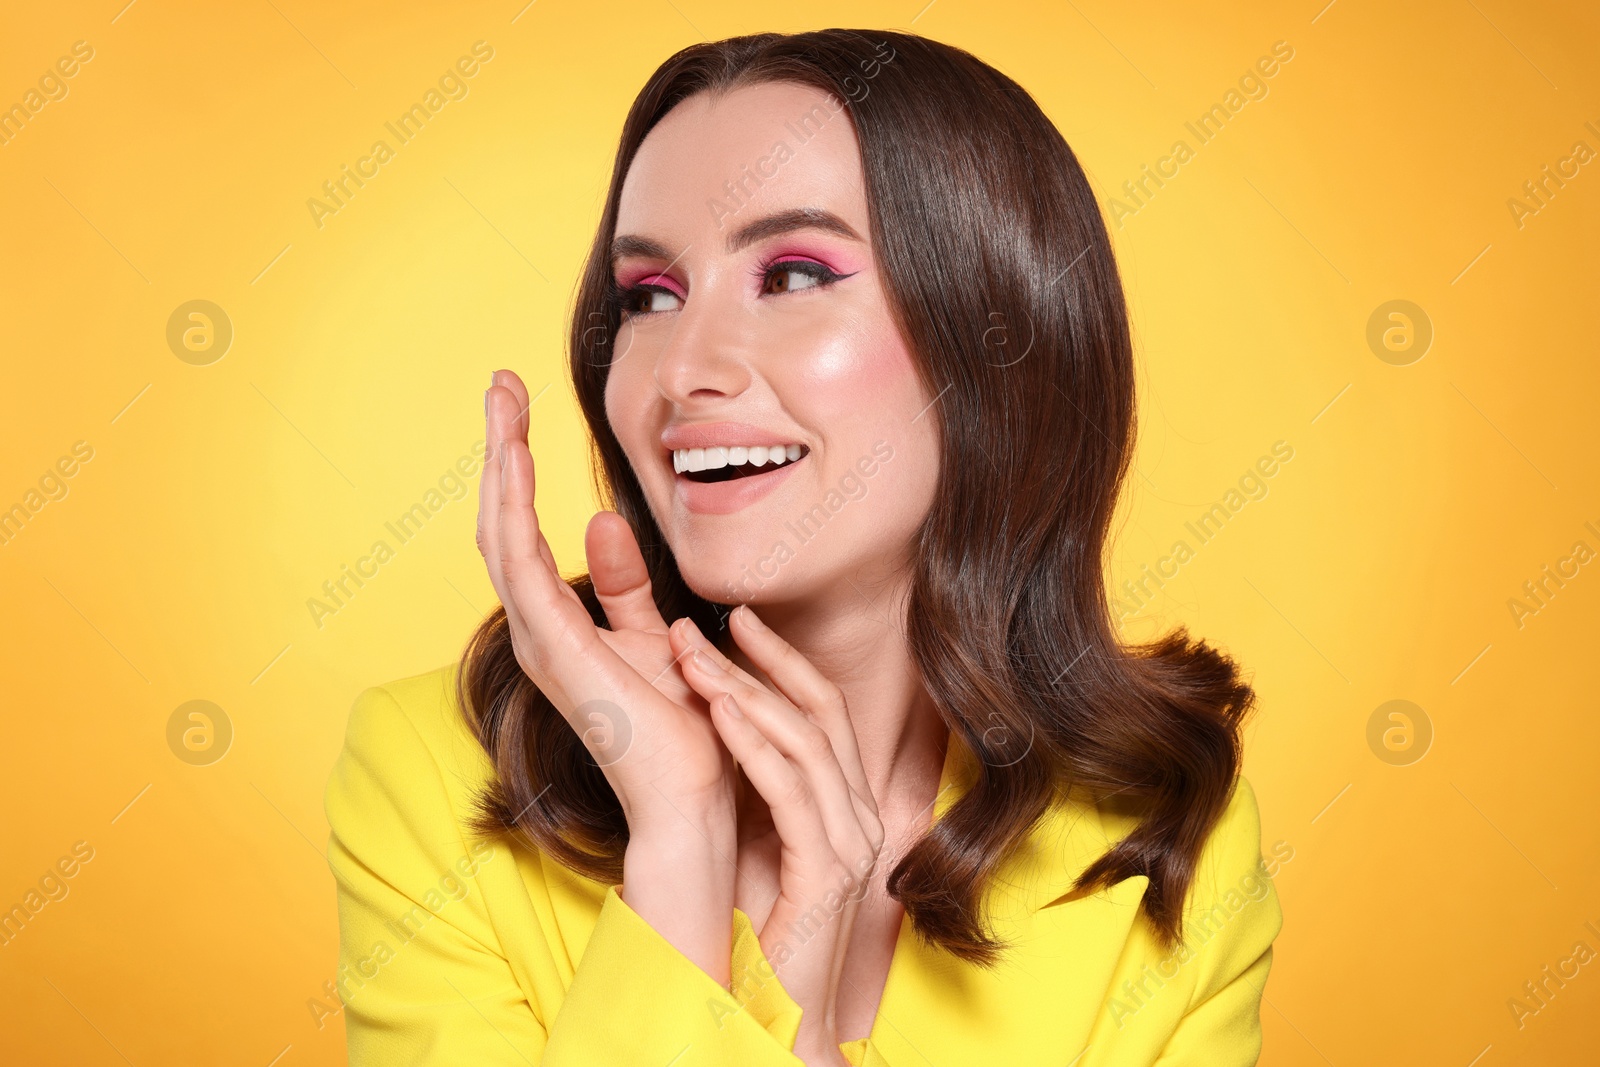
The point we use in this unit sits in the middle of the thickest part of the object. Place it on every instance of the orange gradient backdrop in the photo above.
(176, 507)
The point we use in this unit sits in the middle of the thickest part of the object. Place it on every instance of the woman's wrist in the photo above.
(821, 1056)
(680, 881)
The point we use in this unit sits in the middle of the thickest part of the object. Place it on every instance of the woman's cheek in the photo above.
(621, 349)
(623, 382)
(833, 351)
(622, 405)
(858, 365)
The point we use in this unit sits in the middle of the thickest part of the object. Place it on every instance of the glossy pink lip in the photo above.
(725, 498)
(711, 434)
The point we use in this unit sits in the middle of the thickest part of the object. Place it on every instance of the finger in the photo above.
(808, 853)
(621, 579)
(789, 797)
(508, 380)
(501, 420)
(871, 825)
(807, 689)
(549, 558)
(860, 793)
(520, 425)
(684, 634)
(550, 627)
(804, 744)
(556, 640)
(542, 610)
(489, 494)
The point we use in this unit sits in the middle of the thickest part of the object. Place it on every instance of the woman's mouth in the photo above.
(726, 464)
(722, 481)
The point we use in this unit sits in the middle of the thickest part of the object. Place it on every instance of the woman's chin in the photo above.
(735, 579)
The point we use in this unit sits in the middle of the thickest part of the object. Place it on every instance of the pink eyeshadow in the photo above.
(829, 261)
(648, 277)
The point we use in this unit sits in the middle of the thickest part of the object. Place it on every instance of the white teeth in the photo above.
(706, 459)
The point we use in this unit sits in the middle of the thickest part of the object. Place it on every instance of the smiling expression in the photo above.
(754, 318)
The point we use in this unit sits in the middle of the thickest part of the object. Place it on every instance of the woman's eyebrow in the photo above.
(798, 218)
(779, 222)
(630, 245)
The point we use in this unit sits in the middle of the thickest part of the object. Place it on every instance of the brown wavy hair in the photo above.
(1002, 280)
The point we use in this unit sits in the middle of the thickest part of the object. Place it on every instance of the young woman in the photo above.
(855, 357)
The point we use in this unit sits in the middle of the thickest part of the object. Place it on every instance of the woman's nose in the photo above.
(707, 349)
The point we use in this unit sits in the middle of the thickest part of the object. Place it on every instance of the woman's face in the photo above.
(754, 315)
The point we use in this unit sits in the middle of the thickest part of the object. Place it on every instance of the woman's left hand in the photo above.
(798, 750)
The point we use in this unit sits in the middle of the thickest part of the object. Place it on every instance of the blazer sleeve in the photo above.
(426, 981)
(1230, 925)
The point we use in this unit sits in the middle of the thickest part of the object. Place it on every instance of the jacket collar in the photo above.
(1044, 867)
(1052, 981)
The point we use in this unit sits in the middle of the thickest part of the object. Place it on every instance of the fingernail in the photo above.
(692, 631)
(750, 617)
(732, 707)
(486, 402)
(491, 378)
(705, 663)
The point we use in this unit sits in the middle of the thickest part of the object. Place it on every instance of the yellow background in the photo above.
(219, 498)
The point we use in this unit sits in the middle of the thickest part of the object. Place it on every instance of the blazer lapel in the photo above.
(1051, 982)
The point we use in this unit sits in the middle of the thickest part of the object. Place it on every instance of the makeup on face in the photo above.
(757, 358)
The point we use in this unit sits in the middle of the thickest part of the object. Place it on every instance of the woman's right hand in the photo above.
(655, 742)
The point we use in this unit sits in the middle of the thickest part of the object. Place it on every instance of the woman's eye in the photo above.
(785, 277)
(644, 299)
(796, 274)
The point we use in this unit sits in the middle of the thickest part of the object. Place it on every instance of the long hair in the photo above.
(1001, 278)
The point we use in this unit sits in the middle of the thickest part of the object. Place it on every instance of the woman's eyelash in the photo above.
(809, 267)
(620, 297)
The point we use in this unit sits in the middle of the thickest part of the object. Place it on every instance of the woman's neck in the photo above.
(859, 644)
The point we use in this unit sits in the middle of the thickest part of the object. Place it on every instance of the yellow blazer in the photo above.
(454, 950)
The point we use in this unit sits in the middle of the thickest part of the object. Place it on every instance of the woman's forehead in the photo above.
(764, 146)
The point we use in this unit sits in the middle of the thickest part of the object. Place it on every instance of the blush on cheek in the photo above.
(869, 363)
